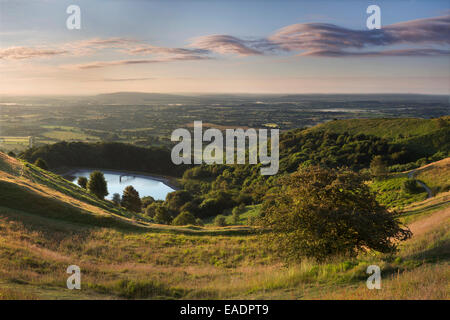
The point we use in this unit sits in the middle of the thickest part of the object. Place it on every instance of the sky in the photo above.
(224, 46)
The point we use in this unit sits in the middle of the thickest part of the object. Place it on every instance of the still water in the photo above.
(117, 181)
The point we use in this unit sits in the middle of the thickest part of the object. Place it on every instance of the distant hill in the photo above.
(136, 98)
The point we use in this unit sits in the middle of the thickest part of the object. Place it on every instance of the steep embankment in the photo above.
(33, 190)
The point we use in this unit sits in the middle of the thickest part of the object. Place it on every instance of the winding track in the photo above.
(423, 185)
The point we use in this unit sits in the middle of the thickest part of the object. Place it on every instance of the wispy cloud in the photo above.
(146, 49)
(125, 79)
(103, 64)
(106, 43)
(83, 47)
(303, 39)
(19, 53)
(385, 53)
(225, 44)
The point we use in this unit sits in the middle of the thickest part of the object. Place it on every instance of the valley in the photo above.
(48, 223)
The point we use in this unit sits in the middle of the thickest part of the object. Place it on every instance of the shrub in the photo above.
(191, 206)
(378, 167)
(162, 215)
(184, 218)
(146, 201)
(236, 214)
(210, 207)
(41, 163)
(131, 200)
(220, 221)
(116, 198)
(175, 200)
(150, 210)
(97, 184)
(411, 186)
(199, 222)
(82, 182)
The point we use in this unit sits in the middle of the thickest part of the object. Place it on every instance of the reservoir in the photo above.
(117, 181)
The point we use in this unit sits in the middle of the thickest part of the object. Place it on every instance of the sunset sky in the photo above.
(224, 46)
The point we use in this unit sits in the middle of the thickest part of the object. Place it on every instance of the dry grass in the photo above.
(433, 221)
(34, 253)
(435, 175)
(422, 283)
(117, 263)
(9, 294)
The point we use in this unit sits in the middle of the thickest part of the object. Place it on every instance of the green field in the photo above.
(391, 194)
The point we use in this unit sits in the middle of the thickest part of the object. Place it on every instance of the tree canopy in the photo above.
(97, 184)
(82, 182)
(131, 200)
(320, 212)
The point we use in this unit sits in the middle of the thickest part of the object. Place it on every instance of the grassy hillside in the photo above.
(435, 175)
(29, 188)
(424, 136)
(33, 190)
(391, 194)
(119, 264)
(391, 128)
(52, 224)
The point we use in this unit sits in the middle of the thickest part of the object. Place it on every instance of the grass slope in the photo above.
(390, 191)
(421, 135)
(150, 263)
(390, 128)
(435, 175)
(26, 186)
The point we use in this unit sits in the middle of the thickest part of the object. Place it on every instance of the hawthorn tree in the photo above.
(319, 212)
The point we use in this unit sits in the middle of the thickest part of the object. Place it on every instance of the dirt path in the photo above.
(423, 185)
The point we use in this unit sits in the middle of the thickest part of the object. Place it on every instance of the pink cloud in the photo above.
(225, 44)
(18, 53)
